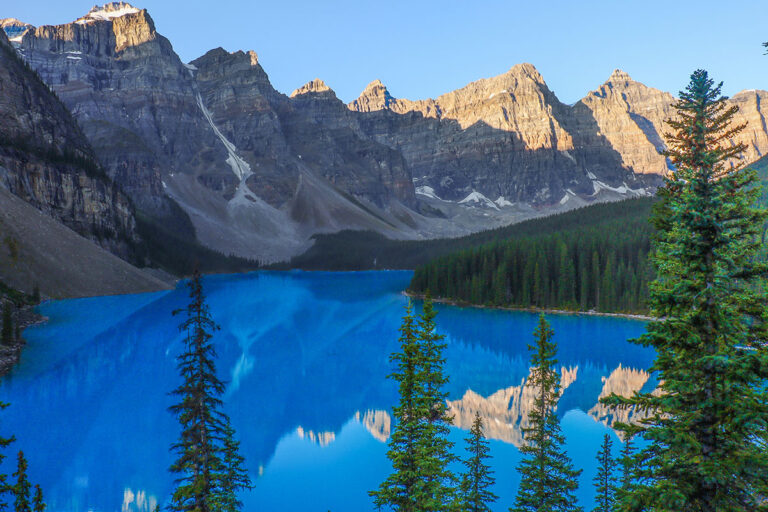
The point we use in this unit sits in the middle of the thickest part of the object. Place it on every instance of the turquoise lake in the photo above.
(305, 358)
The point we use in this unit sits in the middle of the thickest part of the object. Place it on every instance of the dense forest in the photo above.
(364, 250)
(598, 262)
(598, 265)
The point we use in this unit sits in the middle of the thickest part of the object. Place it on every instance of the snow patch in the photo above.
(16, 39)
(591, 176)
(240, 167)
(70, 57)
(427, 191)
(569, 156)
(565, 199)
(106, 14)
(495, 93)
(478, 198)
(502, 202)
(190, 67)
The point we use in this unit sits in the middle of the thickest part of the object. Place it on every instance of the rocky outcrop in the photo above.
(259, 172)
(46, 160)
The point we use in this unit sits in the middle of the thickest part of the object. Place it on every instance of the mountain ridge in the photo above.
(258, 172)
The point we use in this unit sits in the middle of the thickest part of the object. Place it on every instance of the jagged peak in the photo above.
(619, 76)
(526, 69)
(108, 12)
(376, 84)
(15, 29)
(313, 86)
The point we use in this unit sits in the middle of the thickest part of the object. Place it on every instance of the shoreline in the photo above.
(452, 302)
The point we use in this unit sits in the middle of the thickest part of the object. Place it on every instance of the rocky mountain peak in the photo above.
(15, 29)
(526, 70)
(619, 76)
(108, 12)
(315, 86)
(374, 97)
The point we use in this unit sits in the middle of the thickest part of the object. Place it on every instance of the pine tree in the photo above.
(548, 480)
(6, 333)
(627, 463)
(476, 483)
(418, 446)
(605, 479)
(234, 477)
(4, 486)
(204, 476)
(707, 422)
(403, 490)
(22, 488)
(434, 446)
(37, 502)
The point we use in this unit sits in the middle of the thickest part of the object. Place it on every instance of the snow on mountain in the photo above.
(477, 198)
(107, 12)
(426, 191)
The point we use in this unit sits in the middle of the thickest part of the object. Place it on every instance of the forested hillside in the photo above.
(599, 265)
(357, 250)
(598, 262)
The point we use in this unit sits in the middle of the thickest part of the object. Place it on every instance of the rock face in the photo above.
(258, 172)
(46, 160)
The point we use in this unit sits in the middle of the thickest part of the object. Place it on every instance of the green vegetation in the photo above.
(548, 479)
(22, 488)
(362, 250)
(595, 265)
(418, 446)
(707, 421)
(209, 468)
(476, 483)
(605, 486)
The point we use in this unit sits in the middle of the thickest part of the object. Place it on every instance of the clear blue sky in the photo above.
(422, 48)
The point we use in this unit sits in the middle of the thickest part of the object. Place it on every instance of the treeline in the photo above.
(362, 250)
(603, 266)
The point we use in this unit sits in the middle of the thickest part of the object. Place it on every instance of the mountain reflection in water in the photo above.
(306, 358)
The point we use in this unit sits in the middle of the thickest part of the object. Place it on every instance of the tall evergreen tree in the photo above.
(476, 483)
(204, 481)
(38, 505)
(549, 480)
(627, 463)
(22, 487)
(235, 478)
(5, 487)
(434, 447)
(418, 446)
(605, 484)
(403, 490)
(708, 421)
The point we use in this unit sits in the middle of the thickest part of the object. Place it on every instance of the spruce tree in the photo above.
(403, 490)
(627, 463)
(434, 447)
(6, 333)
(4, 486)
(476, 483)
(22, 488)
(37, 502)
(707, 422)
(206, 480)
(605, 485)
(418, 446)
(548, 479)
(234, 477)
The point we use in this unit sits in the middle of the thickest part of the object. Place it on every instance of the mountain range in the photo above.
(210, 150)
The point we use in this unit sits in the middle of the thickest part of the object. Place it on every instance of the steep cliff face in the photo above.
(134, 99)
(46, 160)
(258, 172)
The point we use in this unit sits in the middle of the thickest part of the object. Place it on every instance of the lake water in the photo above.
(305, 356)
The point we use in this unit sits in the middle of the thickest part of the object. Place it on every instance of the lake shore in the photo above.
(453, 302)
